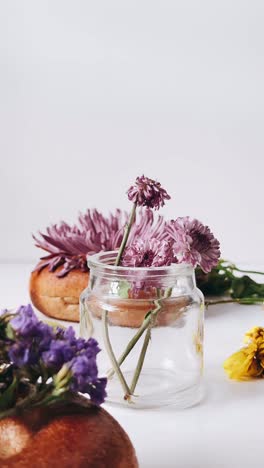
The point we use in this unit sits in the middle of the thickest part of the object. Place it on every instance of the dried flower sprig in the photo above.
(40, 364)
(248, 362)
(145, 192)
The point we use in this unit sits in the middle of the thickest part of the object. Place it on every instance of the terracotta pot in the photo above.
(74, 435)
(58, 297)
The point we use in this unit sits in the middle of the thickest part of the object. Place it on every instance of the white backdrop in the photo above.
(93, 93)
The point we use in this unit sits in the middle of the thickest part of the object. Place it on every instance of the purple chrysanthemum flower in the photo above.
(147, 192)
(69, 246)
(148, 253)
(194, 243)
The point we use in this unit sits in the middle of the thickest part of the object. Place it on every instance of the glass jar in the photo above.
(149, 325)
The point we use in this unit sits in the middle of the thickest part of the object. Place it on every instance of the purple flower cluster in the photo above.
(184, 240)
(68, 246)
(37, 344)
(150, 243)
(33, 337)
(193, 243)
(148, 253)
(147, 192)
(85, 379)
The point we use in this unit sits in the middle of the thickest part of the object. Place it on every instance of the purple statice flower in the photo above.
(147, 192)
(59, 353)
(84, 378)
(97, 390)
(32, 337)
(193, 243)
(68, 246)
(148, 253)
(27, 326)
(89, 347)
(37, 350)
(65, 346)
(25, 321)
(23, 353)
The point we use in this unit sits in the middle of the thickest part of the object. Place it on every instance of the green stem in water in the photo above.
(142, 355)
(141, 360)
(132, 343)
(126, 234)
(137, 336)
(112, 357)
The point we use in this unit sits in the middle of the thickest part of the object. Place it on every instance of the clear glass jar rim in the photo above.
(96, 260)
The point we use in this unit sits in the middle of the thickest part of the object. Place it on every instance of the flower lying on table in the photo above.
(248, 362)
(40, 364)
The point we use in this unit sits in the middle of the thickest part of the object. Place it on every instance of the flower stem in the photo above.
(112, 357)
(6, 413)
(132, 343)
(142, 355)
(253, 272)
(242, 300)
(141, 360)
(126, 234)
(137, 336)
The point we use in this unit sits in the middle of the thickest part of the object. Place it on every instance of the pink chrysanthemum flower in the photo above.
(68, 246)
(147, 192)
(148, 253)
(194, 243)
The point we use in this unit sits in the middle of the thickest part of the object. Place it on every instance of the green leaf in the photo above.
(10, 332)
(8, 397)
(215, 283)
(123, 288)
(245, 287)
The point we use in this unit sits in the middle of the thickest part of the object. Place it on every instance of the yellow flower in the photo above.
(255, 334)
(245, 364)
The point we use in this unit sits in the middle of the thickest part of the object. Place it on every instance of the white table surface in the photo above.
(225, 430)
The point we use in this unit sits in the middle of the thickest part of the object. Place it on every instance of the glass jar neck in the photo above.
(102, 268)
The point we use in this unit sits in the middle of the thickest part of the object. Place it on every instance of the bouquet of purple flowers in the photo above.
(41, 364)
